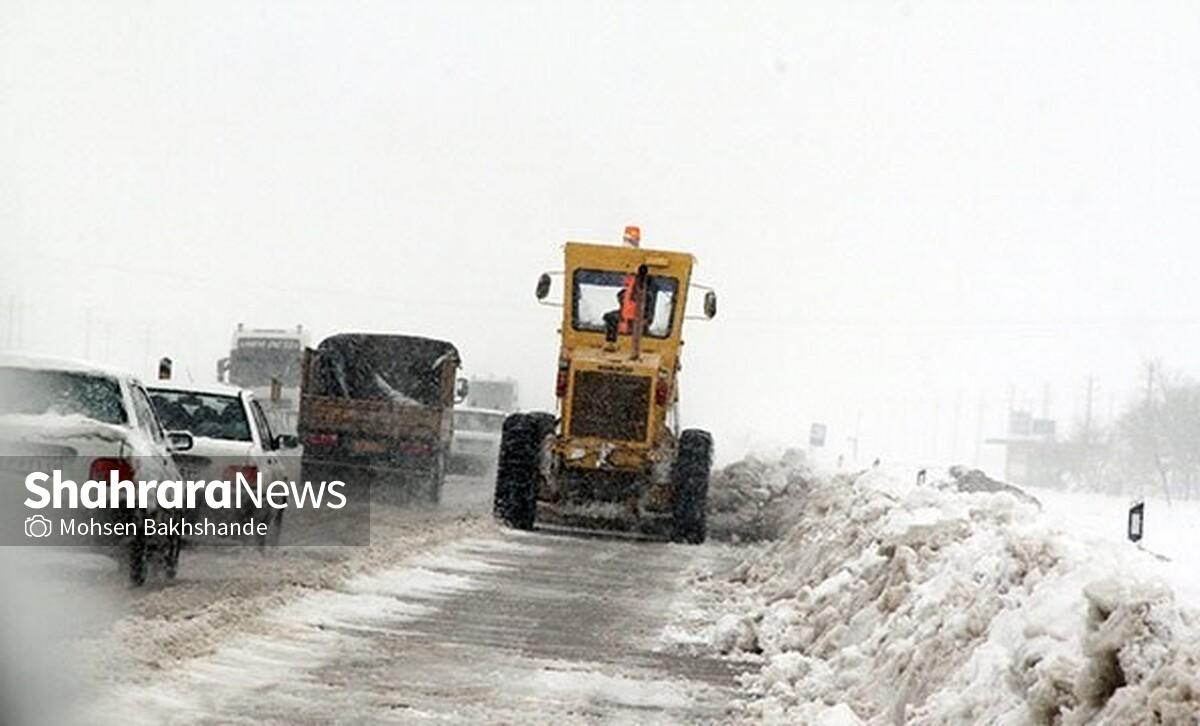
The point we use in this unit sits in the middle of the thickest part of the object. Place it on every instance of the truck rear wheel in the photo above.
(170, 557)
(519, 471)
(693, 461)
(434, 479)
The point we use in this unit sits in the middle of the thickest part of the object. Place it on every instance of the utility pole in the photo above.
(979, 429)
(12, 320)
(1158, 461)
(937, 417)
(146, 350)
(857, 432)
(1087, 415)
(957, 418)
(1150, 383)
(87, 335)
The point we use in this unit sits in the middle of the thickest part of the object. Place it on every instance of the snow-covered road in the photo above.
(445, 618)
(501, 628)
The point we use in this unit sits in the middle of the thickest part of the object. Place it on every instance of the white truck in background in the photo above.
(478, 420)
(496, 394)
(268, 361)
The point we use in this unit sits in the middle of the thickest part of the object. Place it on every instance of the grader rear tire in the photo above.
(693, 462)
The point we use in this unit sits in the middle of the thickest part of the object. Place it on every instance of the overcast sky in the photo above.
(905, 207)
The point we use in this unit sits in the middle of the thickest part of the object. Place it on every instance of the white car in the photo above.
(476, 443)
(88, 421)
(231, 436)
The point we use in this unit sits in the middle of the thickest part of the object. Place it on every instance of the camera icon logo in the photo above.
(37, 526)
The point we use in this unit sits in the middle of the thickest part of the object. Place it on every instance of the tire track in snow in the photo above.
(511, 628)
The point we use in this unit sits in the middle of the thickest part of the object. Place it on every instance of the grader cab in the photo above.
(614, 456)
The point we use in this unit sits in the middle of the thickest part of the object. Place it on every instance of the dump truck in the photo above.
(378, 409)
(613, 456)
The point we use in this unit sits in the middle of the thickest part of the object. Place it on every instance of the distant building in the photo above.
(1033, 455)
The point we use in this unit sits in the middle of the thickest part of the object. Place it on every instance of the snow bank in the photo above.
(887, 602)
(750, 500)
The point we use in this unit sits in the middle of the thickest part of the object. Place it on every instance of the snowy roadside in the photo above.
(71, 619)
(222, 591)
(1171, 532)
(279, 650)
(887, 602)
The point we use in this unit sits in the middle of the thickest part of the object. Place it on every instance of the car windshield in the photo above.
(478, 421)
(601, 293)
(35, 392)
(213, 416)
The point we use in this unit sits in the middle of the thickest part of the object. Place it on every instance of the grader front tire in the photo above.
(693, 462)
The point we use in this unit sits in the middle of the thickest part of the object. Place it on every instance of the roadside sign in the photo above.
(1137, 521)
(816, 435)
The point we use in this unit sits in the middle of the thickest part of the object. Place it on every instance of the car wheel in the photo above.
(135, 559)
(170, 557)
(274, 521)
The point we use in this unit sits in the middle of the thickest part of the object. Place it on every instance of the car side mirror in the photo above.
(543, 286)
(178, 441)
(710, 304)
(286, 441)
(461, 388)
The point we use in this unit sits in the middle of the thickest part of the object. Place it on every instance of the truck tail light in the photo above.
(321, 438)
(102, 467)
(248, 472)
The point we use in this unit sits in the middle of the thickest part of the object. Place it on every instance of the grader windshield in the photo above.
(599, 296)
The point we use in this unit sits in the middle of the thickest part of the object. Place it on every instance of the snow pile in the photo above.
(1170, 531)
(888, 602)
(750, 500)
(974, 480)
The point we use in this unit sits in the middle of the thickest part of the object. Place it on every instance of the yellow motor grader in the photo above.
(614, 456)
